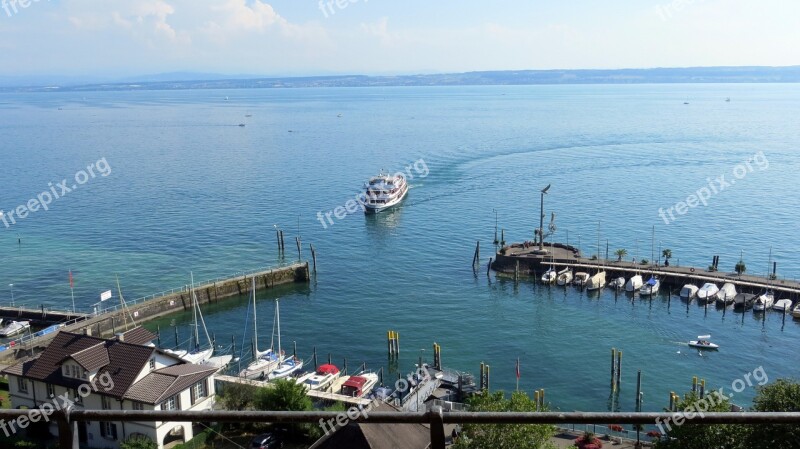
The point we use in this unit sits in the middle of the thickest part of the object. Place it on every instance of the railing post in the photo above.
(437, 428)
(67, 431)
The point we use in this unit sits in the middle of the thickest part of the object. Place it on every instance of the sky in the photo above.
(120, 38)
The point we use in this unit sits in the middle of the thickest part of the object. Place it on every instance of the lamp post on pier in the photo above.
(11, 286)
(541, 218)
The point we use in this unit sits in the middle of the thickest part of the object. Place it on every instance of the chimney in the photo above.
(121, 337)
(87, 331)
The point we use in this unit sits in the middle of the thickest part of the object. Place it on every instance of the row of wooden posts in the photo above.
(282, 249)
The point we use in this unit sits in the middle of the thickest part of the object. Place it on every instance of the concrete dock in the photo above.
(526, 259)
(113, 319)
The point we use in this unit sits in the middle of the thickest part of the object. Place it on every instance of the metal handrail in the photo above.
(68, 418)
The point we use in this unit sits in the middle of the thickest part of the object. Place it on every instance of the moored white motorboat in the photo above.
(564, 277)
(321, 379)
(707, 292)
(14, 328)
(384, 191)
(689, 291)
(634, 284)
(703, 343)
(726, 294)
(763, 302)
(580, 279)
(783, 305)
(796, 310)
(597, 281)
(650, 287)
(359, 385)
(549, 276)
(617, 283)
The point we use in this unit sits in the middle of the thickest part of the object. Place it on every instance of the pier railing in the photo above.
(28, 338)
(436, 419)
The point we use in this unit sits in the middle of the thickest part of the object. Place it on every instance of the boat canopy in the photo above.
(703, 337)
(356, 382)
(327, 369)
(651, 281)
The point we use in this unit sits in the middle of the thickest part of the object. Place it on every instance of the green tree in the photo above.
(482, 436)
(621, 253)
(237, 396)
(782, 395)
(740, 267)
(286, 395)
(138, 442)
(667, 253)
(685, 435)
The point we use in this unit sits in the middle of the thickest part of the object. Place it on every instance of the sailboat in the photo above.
(264, 362)
(597, 281)
(289, 365)
(650, 287)
(195, 355)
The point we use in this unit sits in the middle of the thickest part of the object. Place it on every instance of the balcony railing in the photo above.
(68, 419)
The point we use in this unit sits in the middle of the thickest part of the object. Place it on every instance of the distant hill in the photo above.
(182, 80)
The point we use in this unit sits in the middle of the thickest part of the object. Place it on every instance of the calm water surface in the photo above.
(190, 191)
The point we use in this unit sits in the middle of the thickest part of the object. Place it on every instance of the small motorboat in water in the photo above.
(580, 279)
(703, 342)
(763, 302)
(634, 284)
(783, 305)
(726, 294)
(650, 287)
(617, 283)
(14, 328)
(564, 277)
(689, 291)
(549, 276)
(707, 292)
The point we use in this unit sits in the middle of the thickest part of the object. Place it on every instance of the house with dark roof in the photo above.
(124, 373)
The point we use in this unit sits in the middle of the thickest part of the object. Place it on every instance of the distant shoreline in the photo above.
(696, 75)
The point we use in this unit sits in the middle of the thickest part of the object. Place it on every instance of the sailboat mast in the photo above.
(255, 320)
(278, 317)
(194, 311)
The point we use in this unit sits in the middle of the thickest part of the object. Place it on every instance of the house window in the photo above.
(65, 370)
(199, 391)
(138, 405)
(108, 430)
(153, 363)
(78, 398)
(22, 385)
(172, 403)
(51, 390)
(106, 402)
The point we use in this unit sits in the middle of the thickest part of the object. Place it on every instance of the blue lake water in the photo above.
(190, 191)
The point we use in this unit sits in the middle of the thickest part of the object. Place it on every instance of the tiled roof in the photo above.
(92, 358)
(122, 360)
(165, 382)
(138, 336)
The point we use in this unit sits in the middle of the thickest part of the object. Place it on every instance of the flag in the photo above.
(105, 295)
(517, 368)
(71, 284)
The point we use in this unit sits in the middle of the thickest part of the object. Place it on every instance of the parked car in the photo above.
(266, 441)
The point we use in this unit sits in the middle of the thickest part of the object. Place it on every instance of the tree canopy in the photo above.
(504, 436)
